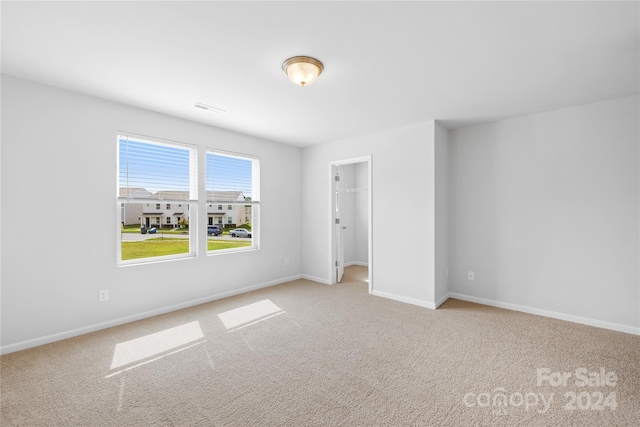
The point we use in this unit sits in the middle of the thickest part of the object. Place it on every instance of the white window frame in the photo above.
(192, 203)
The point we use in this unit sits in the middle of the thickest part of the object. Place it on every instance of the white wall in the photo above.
(402, 163)
(60, 147)
(545, 210)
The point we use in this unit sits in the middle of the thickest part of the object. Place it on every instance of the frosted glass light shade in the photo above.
(302, 70)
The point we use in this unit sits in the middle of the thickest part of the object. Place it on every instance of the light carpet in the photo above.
(307, 354)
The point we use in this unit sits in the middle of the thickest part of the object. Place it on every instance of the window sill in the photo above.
(155, 260)
(232, 251)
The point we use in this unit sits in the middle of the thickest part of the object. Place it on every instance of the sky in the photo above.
(225, 173)
(157, 167)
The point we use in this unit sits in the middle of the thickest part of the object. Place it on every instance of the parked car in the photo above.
(213, 230)
(240, 232)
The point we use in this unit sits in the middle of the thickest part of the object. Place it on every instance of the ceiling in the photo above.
(387, 64)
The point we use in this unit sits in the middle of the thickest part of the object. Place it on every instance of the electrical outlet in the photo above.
(471, 275)
(103, 295)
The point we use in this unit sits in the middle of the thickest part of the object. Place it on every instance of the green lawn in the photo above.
(159, 246)
(214, 245)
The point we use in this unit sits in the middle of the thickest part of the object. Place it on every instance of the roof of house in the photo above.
(170, 195)
(225, 196)
(134, 192)
(212, 196)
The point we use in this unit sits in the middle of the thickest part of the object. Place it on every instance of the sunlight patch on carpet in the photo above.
(154, 344)
(249, 314)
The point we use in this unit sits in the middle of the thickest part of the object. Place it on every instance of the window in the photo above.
(168, 206)
(233, 180)
(150, 170)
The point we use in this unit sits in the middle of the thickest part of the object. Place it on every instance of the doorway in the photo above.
(351, 217)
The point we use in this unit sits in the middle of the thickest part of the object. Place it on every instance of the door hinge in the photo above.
(337, 178)
(337, 220)
(337, 263)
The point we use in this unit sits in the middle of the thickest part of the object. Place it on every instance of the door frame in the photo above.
(331, 217)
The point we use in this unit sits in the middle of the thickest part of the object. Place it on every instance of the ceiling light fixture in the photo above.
(302, 70)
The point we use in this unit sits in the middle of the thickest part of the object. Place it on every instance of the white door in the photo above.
(338, 227)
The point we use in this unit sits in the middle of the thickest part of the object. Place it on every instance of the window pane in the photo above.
(142, 236)
(230, 178)
(157, 174)
(240, 219)
(147, 167)
(233, 182)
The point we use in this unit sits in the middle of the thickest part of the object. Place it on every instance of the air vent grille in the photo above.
(209, 108)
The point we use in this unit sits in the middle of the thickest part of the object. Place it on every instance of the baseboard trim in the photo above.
(546, 313)
(442, 300)
(316, 279)
(414, 301)
(362, 264)
(23, 345)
